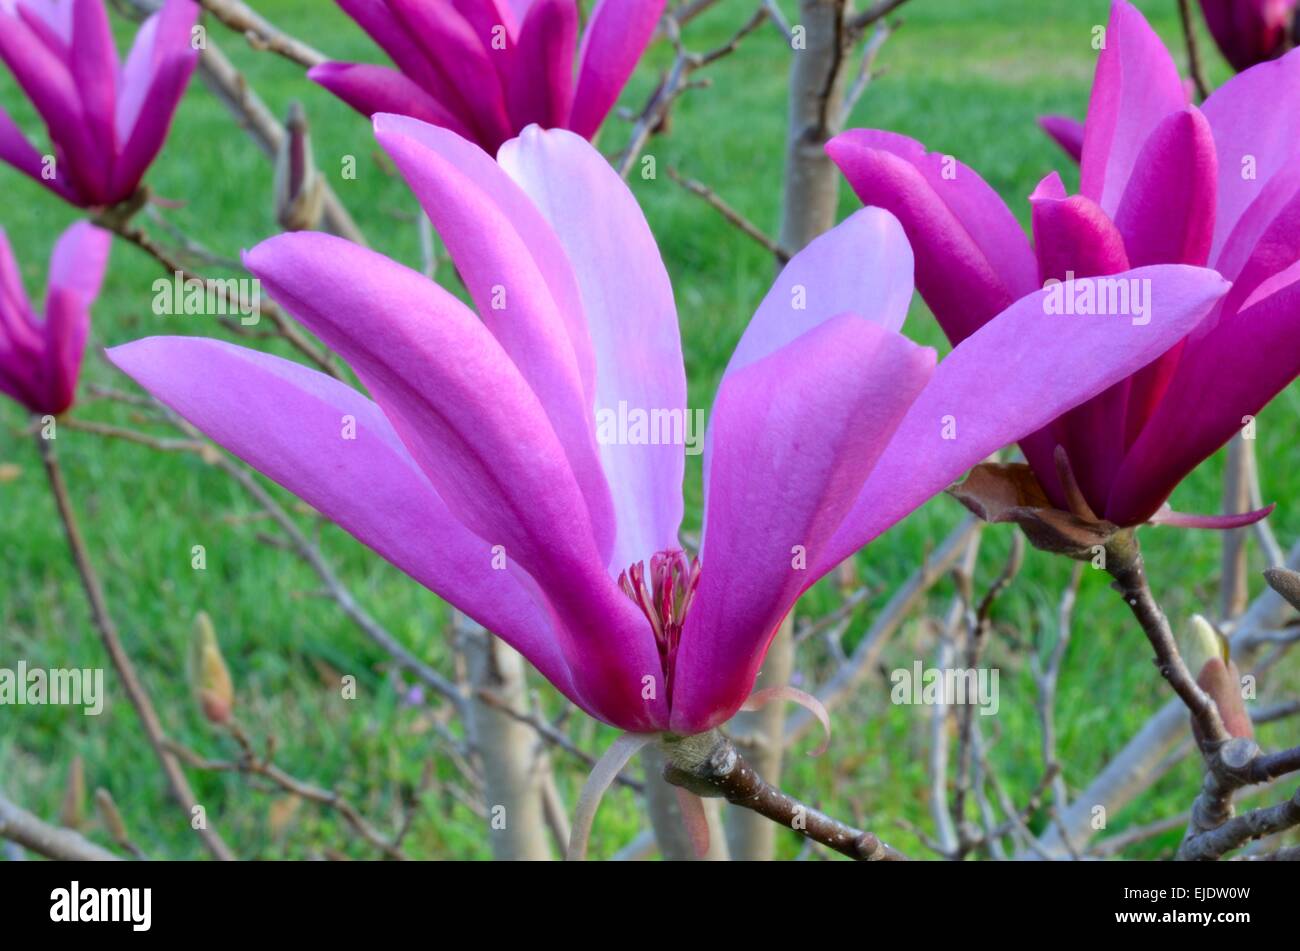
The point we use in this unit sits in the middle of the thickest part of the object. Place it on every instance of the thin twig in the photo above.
(261, 34)
(729, 214)
(1194, 64)
(135, 690)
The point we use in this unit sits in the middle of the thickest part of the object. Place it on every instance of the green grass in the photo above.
(964, 77)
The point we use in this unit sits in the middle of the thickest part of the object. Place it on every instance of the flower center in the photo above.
(664, 595)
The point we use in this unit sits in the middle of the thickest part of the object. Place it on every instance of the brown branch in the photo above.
(261, 34)
(1214, 843)
(658, 107)
(250, 763)
(709, 765)
(1194, 64)
(107, 630)
(20, 826)
(877, 11)
(729, 214)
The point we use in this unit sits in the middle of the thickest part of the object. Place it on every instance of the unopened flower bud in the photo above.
(1205, 651)
(110, 816)
(299, 189)
(209, 677)
(73, 814)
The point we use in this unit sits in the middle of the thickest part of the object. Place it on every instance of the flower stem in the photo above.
(709, 765)
(135, 690)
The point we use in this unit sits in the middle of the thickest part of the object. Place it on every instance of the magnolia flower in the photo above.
(487, 68)
(1249, 32)
(40, 359)
(106, 122)
(476, 468)
(1162, 182)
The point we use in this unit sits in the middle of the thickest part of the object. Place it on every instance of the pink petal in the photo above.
(1166, 213)
(450, 41)
(79, 259)
(515, 269)
(288, 422)
(478, 432)
(22, 155)
(617, 34)
(695, 820)
(93, 60)
(628, 302)
(1136, 85)
(761, 698)
(1073, 235)
(1047, 364)
(793, 437)
(1167, 516)
(602, 776)
(972, 259)
(540, 82)
(378, 89)
(1254, 137)
(1243, 362)
(1067, 132)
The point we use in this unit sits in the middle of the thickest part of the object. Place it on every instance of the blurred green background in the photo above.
(966, 77)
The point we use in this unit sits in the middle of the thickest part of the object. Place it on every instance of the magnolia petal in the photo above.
(1047, 364)
(694, 820)
(1136, 85)
(972, 259)
(1167, 516)
(602, 776)
(793, 437)
(627, 299)
(1066, 131)
(761, 698)
(616, 35)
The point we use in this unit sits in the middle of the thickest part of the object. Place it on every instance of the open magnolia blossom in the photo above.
(1162, 182)
(477, 470)
(106, 121)
(487, 68)
(41, 358)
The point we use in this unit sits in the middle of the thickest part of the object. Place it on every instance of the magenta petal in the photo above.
(1047, 364)
(861, 266)
(22, 155)
(1167, 516)
(540, 81)
(628, 302)
(79, 259)
(1135, 86)
(793, 437)
(515, 269)
(1067, 132)
(477, 430)
(375, 89)
(383, 26)
(616, 36)
(1254, 135)
(451, 43)
(1248, 31)
(93, 60)
(1243, 362)
(289, 422)
(972, 259)
(1167, 210)
(1073, 235)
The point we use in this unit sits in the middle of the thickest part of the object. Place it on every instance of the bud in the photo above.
(1249, 32)
(109, 815)
(73, 812)
(299, 189)
(209, 677)
(1206, 653)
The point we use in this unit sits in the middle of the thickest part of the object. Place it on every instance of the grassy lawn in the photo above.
(964, 76)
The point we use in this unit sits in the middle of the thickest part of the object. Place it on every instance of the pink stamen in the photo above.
(673, 580)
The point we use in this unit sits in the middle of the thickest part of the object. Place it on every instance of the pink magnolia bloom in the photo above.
(1249, 32)
(1162, 182)
(479, 468)
(106, 122)
(487, 68)
(40, 358)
